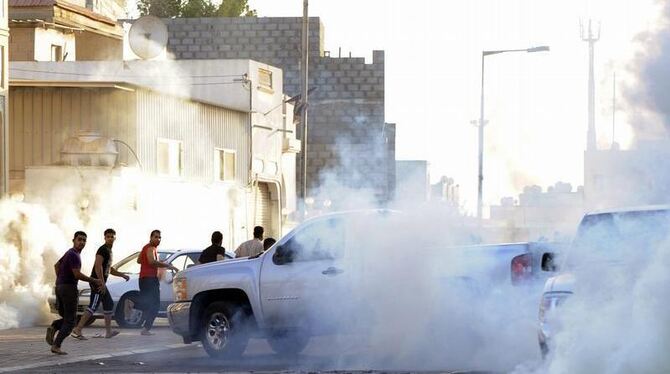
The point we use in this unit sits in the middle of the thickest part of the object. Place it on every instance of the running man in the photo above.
(68, 273)
(149, 287)
(101, 270)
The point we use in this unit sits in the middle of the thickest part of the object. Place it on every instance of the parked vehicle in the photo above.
(125, 294)
(290, 292)
(609, 240)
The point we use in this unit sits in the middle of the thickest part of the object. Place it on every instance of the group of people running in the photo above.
(68, 274)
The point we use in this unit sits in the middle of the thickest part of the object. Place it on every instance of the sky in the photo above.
(536, 104)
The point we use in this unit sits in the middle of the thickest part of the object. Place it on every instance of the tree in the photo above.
(235, 8)
(159, 8)
(195, 8)
(198, 8)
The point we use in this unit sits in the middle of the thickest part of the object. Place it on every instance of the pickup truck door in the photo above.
(304, 278)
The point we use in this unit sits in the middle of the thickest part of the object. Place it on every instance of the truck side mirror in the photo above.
(548, 263)
(169, 277)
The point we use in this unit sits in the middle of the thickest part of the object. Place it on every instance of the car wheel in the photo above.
(127, 314)
(288, 343)
(224, 332)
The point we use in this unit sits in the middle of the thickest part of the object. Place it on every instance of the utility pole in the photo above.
(482, 123)
(614, 144)
(590, 38)
(304, 99)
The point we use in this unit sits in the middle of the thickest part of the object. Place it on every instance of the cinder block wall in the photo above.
(347, 137)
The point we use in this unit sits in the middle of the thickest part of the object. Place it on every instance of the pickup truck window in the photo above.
(616, 236)
(320, 241)
(129, 264)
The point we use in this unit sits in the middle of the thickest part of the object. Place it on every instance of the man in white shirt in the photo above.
(251, 247)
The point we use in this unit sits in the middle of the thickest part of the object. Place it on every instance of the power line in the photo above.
(122, 76)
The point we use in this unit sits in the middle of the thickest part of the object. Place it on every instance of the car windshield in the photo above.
(129, 264)
(614, 236)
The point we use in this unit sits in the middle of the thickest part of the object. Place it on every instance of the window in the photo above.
(129, 264)
(265, 78)
(170, 158)
(323, 240)
(56, 53)
(225, 165)
(182, 262)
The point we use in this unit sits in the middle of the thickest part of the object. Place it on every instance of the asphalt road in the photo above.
(24, 350)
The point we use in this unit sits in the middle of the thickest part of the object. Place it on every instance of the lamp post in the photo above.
(482, 122)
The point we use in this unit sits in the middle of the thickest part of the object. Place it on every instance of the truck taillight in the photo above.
(521, 268)
(179, 288)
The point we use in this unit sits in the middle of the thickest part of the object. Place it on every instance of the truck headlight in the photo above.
(85, 292)
(179, 288)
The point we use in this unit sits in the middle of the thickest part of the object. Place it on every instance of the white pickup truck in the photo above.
(309, 283)
(607, 246)
(277, 294)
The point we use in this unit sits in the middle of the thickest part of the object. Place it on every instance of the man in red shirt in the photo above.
(149, 286)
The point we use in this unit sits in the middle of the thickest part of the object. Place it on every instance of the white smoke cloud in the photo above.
(29, 242)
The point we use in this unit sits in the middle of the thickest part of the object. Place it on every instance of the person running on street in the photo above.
(214, 252)
(68, 273)
(251, 247)
(149, 286)
(101, 270)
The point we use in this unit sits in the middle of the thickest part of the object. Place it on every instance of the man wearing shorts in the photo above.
(101, 270)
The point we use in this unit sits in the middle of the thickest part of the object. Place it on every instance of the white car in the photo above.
(125, 294)
(605, 240)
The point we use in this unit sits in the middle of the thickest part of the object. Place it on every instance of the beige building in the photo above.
(59, 30)
(552, 214)
(212, 135)
(4, 93)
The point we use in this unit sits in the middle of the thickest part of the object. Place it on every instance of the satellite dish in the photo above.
(148, 37)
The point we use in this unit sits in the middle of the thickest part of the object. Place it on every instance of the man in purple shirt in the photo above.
(68, 273)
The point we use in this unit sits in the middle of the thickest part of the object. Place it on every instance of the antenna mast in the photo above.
(591, 38)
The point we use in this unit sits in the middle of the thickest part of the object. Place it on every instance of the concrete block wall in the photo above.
(347, 134)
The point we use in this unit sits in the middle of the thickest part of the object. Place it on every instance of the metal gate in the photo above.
(260, 208)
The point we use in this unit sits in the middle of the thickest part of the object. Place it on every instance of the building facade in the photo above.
(59, 30)
(4, 96)
(412, 182)
(551, 215)
(348, 138)
(222, 137)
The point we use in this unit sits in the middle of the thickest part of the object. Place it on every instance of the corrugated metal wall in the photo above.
(41, 118)
(200, 127)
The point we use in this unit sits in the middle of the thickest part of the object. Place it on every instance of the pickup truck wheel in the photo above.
(289, 343)
(127, 315)
(224, 331)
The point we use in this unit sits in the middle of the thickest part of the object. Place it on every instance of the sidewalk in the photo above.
(25, 348)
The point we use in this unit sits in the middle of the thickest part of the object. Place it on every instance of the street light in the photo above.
(543, 48)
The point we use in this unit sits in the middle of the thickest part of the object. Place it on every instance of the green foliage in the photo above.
(159, 8)
(195, 8)
(235, 8)
(198, 8)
